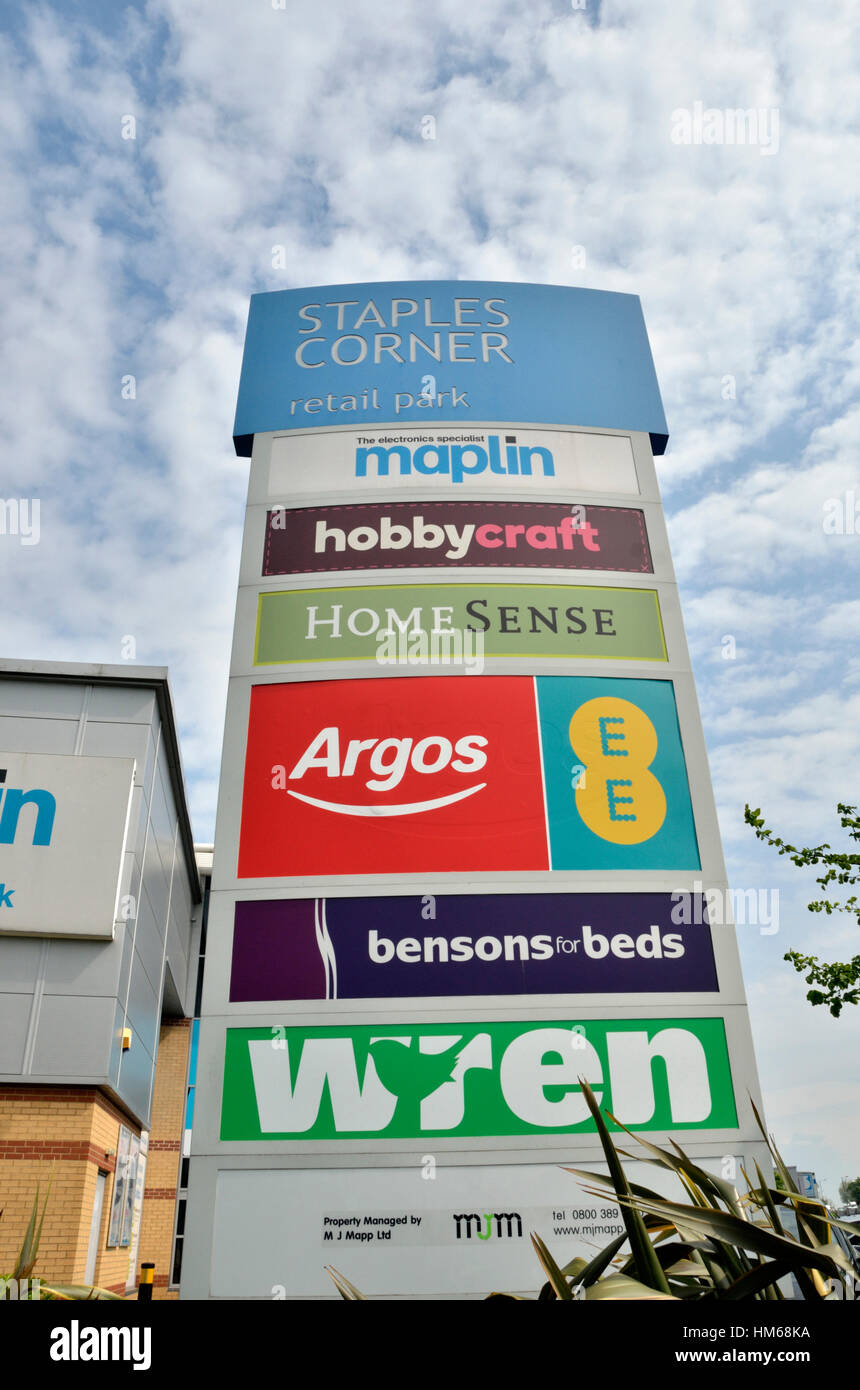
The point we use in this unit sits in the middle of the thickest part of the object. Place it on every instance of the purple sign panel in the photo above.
(465, 944)
(498, 535)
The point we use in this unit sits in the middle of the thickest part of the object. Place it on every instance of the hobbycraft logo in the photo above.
(503, 456)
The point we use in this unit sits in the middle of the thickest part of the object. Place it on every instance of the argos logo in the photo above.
(436, 774)
(388, 759)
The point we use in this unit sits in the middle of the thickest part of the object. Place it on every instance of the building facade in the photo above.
(100, 920)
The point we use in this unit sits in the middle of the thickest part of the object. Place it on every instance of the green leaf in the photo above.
(346, 1290)
(755, 1280)
(593, 1270)
(745, 1234)
(30, 1248)
(87, 1292)
(647, 1265)
(557, 1280)
(618, 1286)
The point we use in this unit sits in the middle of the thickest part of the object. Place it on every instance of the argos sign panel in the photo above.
(448, 775)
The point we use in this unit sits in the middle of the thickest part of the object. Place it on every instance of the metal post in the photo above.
(147, 1277)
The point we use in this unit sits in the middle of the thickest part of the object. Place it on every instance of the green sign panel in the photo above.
(418, 624)
(477, 1080)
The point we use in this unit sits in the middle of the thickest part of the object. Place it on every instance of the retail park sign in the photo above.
(477, 351)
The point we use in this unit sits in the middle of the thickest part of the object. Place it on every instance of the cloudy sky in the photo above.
(155, 155)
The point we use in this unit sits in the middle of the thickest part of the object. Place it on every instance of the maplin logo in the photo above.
(388, 759)
(13, 799)
(456, 461)
(465, 1219)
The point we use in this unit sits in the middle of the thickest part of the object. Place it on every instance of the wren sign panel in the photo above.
(501, 535)
(510, 620)
(436, 774)
(468, 944)
(450, 463)
(409, 1081)
(459, 349)
(63, 824)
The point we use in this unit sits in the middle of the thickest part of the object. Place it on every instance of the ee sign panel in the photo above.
(494, 774)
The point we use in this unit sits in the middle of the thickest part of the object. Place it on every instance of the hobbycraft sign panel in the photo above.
(495, 535)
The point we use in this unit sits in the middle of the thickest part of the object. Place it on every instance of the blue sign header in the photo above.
(446, 352)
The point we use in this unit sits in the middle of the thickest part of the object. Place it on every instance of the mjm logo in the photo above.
(505, 458)
(484, 1224)
(12, 802)
(467, 1079)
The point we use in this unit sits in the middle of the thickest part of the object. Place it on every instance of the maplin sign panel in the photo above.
(497, 535)
(422, 622)
(470, 944)
(63, 826)
(456, 350)
(448, 463)
(445, 775)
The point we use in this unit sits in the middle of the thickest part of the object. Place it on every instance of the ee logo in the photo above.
(620, 799)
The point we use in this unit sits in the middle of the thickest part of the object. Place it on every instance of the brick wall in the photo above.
(67, 1134)
(165, 1152)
